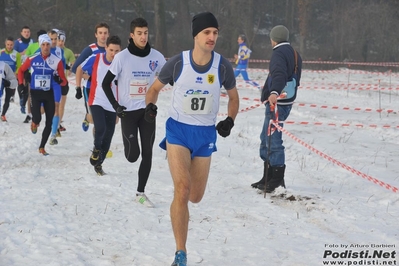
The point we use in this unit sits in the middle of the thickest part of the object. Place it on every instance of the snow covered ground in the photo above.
(54, 210)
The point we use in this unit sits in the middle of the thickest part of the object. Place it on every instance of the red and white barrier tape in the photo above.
(252, 107)
(334, 161)
(382, 64)
(342, 84)
(333, 87)
(243, 109)
(345, 108)
(342, 125)
(335, 71)
(326, 106)
(348, 88)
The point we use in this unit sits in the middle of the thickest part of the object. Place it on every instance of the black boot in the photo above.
(276, 180)
(266, 168)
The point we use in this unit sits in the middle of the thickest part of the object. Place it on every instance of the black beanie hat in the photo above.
(40, 32)
(202, 21)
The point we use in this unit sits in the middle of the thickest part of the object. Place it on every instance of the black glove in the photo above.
(224, 127)
(67, 67)
(27, 76)
(78, 94)
(6, 83)
(120, 110)
(57, 79)
(150, 113)
(22, 89)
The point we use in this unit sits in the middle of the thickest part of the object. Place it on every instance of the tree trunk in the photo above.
(184, 40)
(3, 29)
(303, 7)
(160, 32)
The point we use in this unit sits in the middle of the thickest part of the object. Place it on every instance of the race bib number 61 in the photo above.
(197, 104)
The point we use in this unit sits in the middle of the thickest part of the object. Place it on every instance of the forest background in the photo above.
(336, 30)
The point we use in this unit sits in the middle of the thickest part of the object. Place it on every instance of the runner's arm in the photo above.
(233, 103)
(107, 81)
(25, 66)
(152, 93)
(82, 57)
(78, 76)
(61, 73)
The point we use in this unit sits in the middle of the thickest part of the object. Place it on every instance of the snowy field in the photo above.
(344, 206)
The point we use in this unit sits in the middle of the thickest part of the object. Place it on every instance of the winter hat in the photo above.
(202, 21)
(44, 38)
(61, 35)
(40, 32)
(279, 34)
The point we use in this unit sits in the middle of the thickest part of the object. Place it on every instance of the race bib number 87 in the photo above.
(197, 104)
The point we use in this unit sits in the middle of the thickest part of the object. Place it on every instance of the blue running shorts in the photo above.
(57, 92)
(200, 140)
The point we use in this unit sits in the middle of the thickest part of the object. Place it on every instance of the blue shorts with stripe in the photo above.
(200, 140)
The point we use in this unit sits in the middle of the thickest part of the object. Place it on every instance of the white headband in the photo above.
(44, 38)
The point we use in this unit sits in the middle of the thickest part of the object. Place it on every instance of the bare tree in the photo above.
(160, 32)
(303, 17)
(361, 30)
(2, 19)
(183, 22)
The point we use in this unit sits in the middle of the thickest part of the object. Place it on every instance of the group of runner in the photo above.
(125, 83)
(22, 56)
(39, 73)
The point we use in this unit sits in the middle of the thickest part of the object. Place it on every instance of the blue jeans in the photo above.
(277, 154)
(104, 124)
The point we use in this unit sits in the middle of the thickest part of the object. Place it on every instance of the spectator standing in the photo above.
(279, 92)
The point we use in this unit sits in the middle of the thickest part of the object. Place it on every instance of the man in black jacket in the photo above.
(279, 92)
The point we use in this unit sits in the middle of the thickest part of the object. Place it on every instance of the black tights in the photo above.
(9, 93)
(132, 123)
(39, 97)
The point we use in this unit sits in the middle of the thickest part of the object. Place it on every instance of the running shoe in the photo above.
(27, 119)
(61, 128)
(3, 118)
(85, 125)
(43, 151)
(180, 258)
(99, 170)
(53, 140)
(58, 134)
(95, 157)
(109, 154)
(23, 109)
(33, 127)
(144, 200)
